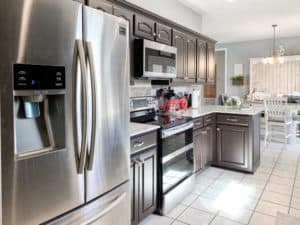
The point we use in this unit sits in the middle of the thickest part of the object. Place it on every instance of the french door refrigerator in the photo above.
(64, 114)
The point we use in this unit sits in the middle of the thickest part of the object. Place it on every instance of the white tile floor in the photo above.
(224, 197)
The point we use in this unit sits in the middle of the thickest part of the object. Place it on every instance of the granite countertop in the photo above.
(208, 109)
(140, 128)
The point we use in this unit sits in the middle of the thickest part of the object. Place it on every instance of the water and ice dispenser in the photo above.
(39, 109)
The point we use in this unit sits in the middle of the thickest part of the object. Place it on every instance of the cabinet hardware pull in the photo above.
(204, 132)
(138, 144)
(232, 120)
(154, 34)
(158, 35)
(218, 129)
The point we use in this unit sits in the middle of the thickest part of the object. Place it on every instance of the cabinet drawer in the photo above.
(198, 123)
(209, 119)
(233, 120)
(143, 142)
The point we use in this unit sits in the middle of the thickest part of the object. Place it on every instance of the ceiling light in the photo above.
(277, 54)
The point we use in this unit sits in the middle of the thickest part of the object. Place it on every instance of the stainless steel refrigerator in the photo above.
(64, 114)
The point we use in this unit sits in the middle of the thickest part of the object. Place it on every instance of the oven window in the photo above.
(176, 142)
(177, 169)
(159, 61)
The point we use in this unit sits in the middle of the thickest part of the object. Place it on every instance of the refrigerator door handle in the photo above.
(115, 202)
(80, 157)
(91, 62)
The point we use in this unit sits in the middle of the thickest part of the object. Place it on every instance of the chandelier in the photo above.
(277, 54)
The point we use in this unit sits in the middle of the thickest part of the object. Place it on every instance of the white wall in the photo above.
(173, 11)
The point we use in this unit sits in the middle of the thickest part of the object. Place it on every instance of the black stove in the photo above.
(165, 121)
(168, 121)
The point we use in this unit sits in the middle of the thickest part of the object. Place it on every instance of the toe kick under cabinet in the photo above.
(143, 169)
(238, 144)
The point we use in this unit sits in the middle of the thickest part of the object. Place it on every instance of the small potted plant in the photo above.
(237, 80)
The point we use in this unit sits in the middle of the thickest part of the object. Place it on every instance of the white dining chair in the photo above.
(278, 120)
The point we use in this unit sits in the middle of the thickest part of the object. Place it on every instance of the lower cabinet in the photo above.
(204, 146)
(233, 146)
(143, 184)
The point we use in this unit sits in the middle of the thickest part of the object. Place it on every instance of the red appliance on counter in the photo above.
(176, 104)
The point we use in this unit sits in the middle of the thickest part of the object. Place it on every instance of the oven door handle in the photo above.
(178, 152)
(176, 130)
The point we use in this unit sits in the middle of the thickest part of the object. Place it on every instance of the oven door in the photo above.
(177, 158)
(159, 60)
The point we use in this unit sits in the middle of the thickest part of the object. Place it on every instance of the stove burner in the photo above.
(168, 121)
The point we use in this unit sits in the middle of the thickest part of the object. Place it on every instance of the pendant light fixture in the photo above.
(277, 54)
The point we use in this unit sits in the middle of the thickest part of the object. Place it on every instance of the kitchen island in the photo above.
(226, 137)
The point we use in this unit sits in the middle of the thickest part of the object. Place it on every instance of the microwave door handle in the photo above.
(91, 62)
(80, 157)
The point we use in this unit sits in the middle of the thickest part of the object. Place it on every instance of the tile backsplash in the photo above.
(144, 88)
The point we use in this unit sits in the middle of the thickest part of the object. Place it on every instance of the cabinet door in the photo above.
(179, 41)
(211, 65)
(163, 34)
(191, 59)
(127, 15)
(144, 27)
(103, 5)
(148, 171)
(134, 182)
(201, 61)
(211, 146)
(199, 150)
(233, 146)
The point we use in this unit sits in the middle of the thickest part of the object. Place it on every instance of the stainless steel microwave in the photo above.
(153, 60)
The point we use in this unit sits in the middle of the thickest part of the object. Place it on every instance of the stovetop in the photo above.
(168, 121)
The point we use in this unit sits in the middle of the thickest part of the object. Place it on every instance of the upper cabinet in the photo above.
(195, 54)
(191, 59)
(103, 5)
(179, 41)
(144, 27)
(211, 65)
(186, 56)
(201, 61)
(163, 34)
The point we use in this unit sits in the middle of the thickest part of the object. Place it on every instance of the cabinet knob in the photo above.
(154, 34)
(218, 129)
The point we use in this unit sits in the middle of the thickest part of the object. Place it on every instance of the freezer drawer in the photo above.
(111, 209)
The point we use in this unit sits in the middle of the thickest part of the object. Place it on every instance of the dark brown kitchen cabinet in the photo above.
(143, 176)
(233, 146)
(201, 61)
(134, 179)
(144, 27)
(191, 58)
(147, 197)
(103, 5)
(163, 34)
(211, 65)
(186, 56)
(204, 145)
(179, 41)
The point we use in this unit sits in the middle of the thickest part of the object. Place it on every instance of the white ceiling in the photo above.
(243, 20)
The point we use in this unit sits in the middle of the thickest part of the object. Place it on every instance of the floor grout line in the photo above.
(290, 205)
(260, 198)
